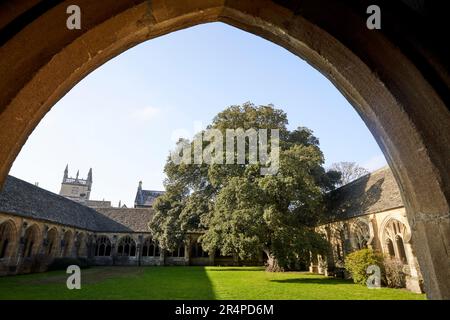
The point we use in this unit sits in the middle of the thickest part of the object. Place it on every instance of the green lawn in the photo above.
(190, 283)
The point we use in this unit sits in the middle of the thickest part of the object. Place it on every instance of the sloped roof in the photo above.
(98, 204)
(24, 199)
(146, 197)
(136, 219)
(372, 193)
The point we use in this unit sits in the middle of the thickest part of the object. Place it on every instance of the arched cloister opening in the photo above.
(31, 243)
(388, 81)
(103, 247)
(126, 247)
(67, 242)
(150, 248)
(52, 243)
(8, 239)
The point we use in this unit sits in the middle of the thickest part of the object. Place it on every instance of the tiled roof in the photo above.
(372, 193)
(98, 204)
(136, 219)
(24, 199)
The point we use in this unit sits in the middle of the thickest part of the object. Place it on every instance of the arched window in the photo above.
(52, 242)
(394, 232)
(68, 239)
(30, 241)
(103, 247)
(150, 248)
(126, 247)
(401, 250)
(197, 251)
(7, 239)
(390, 248)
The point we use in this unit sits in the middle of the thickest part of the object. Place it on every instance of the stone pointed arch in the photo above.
(8, 239)
(32, 240)
(67, 242)
(126, 247)
(394, 77)
(390, 227)
(52, 242)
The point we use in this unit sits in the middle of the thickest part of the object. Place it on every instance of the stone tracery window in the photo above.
(394, 232)
(103, 247)
(126, 247)
(150, 248)
(401, 249)
(390, 248)
(7, 239)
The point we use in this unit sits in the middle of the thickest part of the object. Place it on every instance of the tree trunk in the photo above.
(272, 263)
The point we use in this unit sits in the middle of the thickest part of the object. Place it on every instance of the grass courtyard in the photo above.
(190, 283)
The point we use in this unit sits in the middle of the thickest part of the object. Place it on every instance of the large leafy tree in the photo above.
(239, 210)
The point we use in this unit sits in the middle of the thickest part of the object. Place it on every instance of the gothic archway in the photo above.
(394, 235)
(68, 242)
(394, 78)
(8, 239)
(150, 248)
(126, 247)
(52, 243)
(31, 241)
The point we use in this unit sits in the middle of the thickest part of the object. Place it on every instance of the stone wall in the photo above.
(33, 244)
(387, 232)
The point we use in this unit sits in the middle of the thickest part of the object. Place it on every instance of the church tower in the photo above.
(76, 189)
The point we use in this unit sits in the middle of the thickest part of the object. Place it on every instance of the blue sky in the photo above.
(123, 118)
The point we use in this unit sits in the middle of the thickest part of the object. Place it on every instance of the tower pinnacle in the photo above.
(66, 173)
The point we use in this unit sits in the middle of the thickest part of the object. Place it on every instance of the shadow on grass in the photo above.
(259, 269)
(329, 281)
(142, 283)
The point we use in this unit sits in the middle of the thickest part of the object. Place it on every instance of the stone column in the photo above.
(139, 244)
(371, 243)
(42, 249)
(211, 259)
(75, 245)
(431, 239)
(187, 252)
(21, 244)
(413, 279)
(114, 249)
(162, 257)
